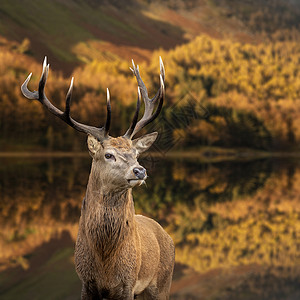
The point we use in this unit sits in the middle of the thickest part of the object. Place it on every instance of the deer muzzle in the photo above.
(140, 173)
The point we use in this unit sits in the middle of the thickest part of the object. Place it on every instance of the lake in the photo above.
(235, 224)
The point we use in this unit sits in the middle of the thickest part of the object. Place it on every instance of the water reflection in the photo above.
(236, 225)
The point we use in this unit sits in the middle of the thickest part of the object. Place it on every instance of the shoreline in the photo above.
(203, 153)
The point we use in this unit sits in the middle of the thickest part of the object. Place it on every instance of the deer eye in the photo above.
(109, 156)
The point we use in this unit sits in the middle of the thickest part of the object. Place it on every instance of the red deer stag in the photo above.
(118, 255)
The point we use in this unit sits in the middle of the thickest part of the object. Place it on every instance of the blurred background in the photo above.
(225, 172)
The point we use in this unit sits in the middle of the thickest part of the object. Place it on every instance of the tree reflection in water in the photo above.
(226, 218)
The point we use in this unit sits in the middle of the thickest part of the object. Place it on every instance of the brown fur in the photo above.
(118, 254)
(120, 143)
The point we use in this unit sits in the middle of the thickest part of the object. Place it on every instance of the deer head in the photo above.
(114, 159)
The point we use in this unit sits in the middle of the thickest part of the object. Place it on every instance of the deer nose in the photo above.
(140, 172)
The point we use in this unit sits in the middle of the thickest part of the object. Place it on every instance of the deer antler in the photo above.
(99, 133)
(148, 117)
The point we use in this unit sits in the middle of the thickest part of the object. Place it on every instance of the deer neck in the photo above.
(102, 190)
(108, 215)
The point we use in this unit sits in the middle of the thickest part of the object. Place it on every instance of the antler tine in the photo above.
(108, 117)
(148, 117)
(68, 98)
(162, 68)
(65, 116)
(129, 132)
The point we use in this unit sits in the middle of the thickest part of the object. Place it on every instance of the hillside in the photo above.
(74, 31)
(225, 57)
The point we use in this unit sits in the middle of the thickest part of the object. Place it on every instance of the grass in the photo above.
(56, 28)
(46, 21)
(60, 26)
(55, 279)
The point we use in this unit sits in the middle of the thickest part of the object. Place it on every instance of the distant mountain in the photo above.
(74, 31)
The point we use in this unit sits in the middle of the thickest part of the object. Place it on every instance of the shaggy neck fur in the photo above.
(108, 215)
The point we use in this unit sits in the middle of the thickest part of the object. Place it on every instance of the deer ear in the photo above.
(93, 144)
(144, 142)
